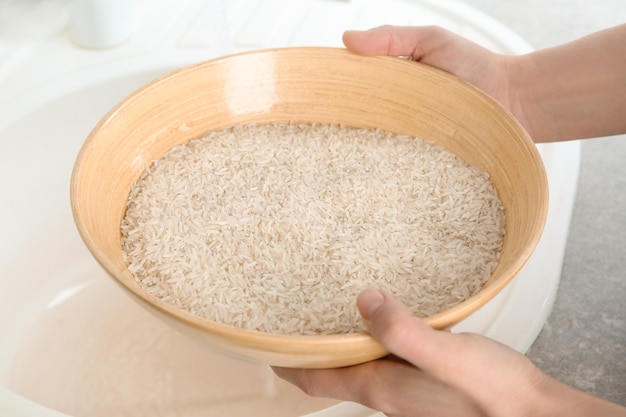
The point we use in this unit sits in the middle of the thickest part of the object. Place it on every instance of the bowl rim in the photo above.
(255, 337)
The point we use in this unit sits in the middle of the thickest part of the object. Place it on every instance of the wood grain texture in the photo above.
(311, 85)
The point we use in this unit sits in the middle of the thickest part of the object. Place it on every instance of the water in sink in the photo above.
(60, 315)
(78, 359)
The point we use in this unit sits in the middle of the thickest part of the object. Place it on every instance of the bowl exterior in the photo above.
(305, 85)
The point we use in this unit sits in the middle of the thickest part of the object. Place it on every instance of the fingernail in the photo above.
(369, 302)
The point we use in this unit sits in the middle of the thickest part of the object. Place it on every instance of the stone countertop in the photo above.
(584, 341)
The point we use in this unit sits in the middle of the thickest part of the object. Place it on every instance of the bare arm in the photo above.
(576, 90)
(572, 91)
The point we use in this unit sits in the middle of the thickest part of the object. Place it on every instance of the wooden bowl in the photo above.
(309, 85)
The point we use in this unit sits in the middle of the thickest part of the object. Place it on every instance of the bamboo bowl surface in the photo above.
(306, 85)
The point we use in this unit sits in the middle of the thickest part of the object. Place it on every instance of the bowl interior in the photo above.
(309, 85)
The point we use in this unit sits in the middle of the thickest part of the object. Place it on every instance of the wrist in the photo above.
(556, 399)
(525, 97)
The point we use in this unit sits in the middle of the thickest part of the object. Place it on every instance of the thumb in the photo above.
(465, 361)
(396, 328)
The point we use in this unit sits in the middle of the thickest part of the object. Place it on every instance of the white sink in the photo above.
(60, 313)
(62, 347)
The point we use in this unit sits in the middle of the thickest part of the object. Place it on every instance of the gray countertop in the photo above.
(584, 341)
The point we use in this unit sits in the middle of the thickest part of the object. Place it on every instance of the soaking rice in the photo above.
(278, 228)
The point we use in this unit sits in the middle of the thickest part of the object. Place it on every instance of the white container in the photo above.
(101, 23)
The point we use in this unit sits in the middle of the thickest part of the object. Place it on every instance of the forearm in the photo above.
(561, 400)
(576, 90)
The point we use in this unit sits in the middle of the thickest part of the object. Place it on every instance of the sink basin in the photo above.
(59, 313)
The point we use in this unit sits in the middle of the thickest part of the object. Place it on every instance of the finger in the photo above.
(383, 40)
(331, 382)
(394, 326)
(388, 385)
(337, 383)
(416, 42)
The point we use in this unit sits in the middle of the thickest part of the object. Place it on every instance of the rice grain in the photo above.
(278, 228)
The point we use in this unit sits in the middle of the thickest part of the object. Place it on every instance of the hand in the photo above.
(571, 91)
(433, 373)
(440, 48)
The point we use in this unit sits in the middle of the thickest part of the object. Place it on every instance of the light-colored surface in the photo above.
(101, 23)
(74, 341)
(277, 86)
(178, 376)
(176, 33)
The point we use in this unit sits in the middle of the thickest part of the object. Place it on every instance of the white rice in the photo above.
(278, 228)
